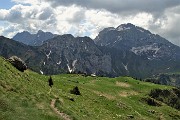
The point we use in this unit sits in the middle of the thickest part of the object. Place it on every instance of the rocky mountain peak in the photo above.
(137, 40)
(33, 39)
(130, 27)
(40, 31)
(125, 27)
(25, 32)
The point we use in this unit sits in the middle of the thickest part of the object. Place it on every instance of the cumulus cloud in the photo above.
(27, 1)
(88, 17)
(118, 6)
(30, 18)
(169, 25)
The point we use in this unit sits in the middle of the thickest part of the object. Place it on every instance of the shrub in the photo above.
(151, 101)
(75, 91)
(170, 97)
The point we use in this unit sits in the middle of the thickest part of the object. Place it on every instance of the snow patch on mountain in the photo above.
(73, 66)
(119, 38)
(111, 28)
(140, 30)
(120, 28)
(73, 63)
(41, 72)
(141, 49)
(58, 63)
(125, 66)
(85, 47)
(127, 28)
(47, 55)
(107, 44)
(70, 70)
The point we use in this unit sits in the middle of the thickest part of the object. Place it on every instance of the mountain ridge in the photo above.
(36, 39)
(131, 57)
(138, 40)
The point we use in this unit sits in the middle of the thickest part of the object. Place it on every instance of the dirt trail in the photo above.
(60, 114)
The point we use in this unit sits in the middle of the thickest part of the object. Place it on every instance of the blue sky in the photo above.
(66, 16)
(6, 4)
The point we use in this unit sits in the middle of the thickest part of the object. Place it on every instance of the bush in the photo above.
(170, 97)
(75, 91)
(151, 101)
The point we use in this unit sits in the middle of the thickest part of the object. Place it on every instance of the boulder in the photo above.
(18, 63)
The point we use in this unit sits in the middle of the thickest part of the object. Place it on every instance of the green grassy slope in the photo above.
(23, 96)
(27, 96)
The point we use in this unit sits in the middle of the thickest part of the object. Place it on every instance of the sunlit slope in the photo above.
(26, 95)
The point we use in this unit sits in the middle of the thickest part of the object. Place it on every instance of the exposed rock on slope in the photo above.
(18, 63)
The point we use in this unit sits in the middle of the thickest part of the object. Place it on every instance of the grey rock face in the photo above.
(75, 55)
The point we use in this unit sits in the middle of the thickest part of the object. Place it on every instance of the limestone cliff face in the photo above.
(74, 55)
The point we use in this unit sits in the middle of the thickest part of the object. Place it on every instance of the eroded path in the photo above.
(59, 113)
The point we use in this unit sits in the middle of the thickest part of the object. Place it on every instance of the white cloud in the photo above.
(120, 6)
(88, 18)
(32, 2)
(30, 18)
(168, 25)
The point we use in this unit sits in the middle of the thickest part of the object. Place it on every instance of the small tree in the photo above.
(50, 81)
(75, 91)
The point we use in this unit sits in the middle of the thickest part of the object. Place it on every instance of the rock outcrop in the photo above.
(18, 63)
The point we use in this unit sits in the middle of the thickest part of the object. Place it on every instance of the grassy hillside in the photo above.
(27, 96)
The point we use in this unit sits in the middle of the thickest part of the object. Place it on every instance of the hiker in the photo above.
(50, 81)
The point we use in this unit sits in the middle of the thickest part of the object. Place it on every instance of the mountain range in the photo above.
(127, 50)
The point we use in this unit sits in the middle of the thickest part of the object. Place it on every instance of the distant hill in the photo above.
(33, 39)
(27, 95)
(166, 79)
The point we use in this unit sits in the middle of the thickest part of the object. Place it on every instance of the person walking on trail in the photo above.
(50, 81)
